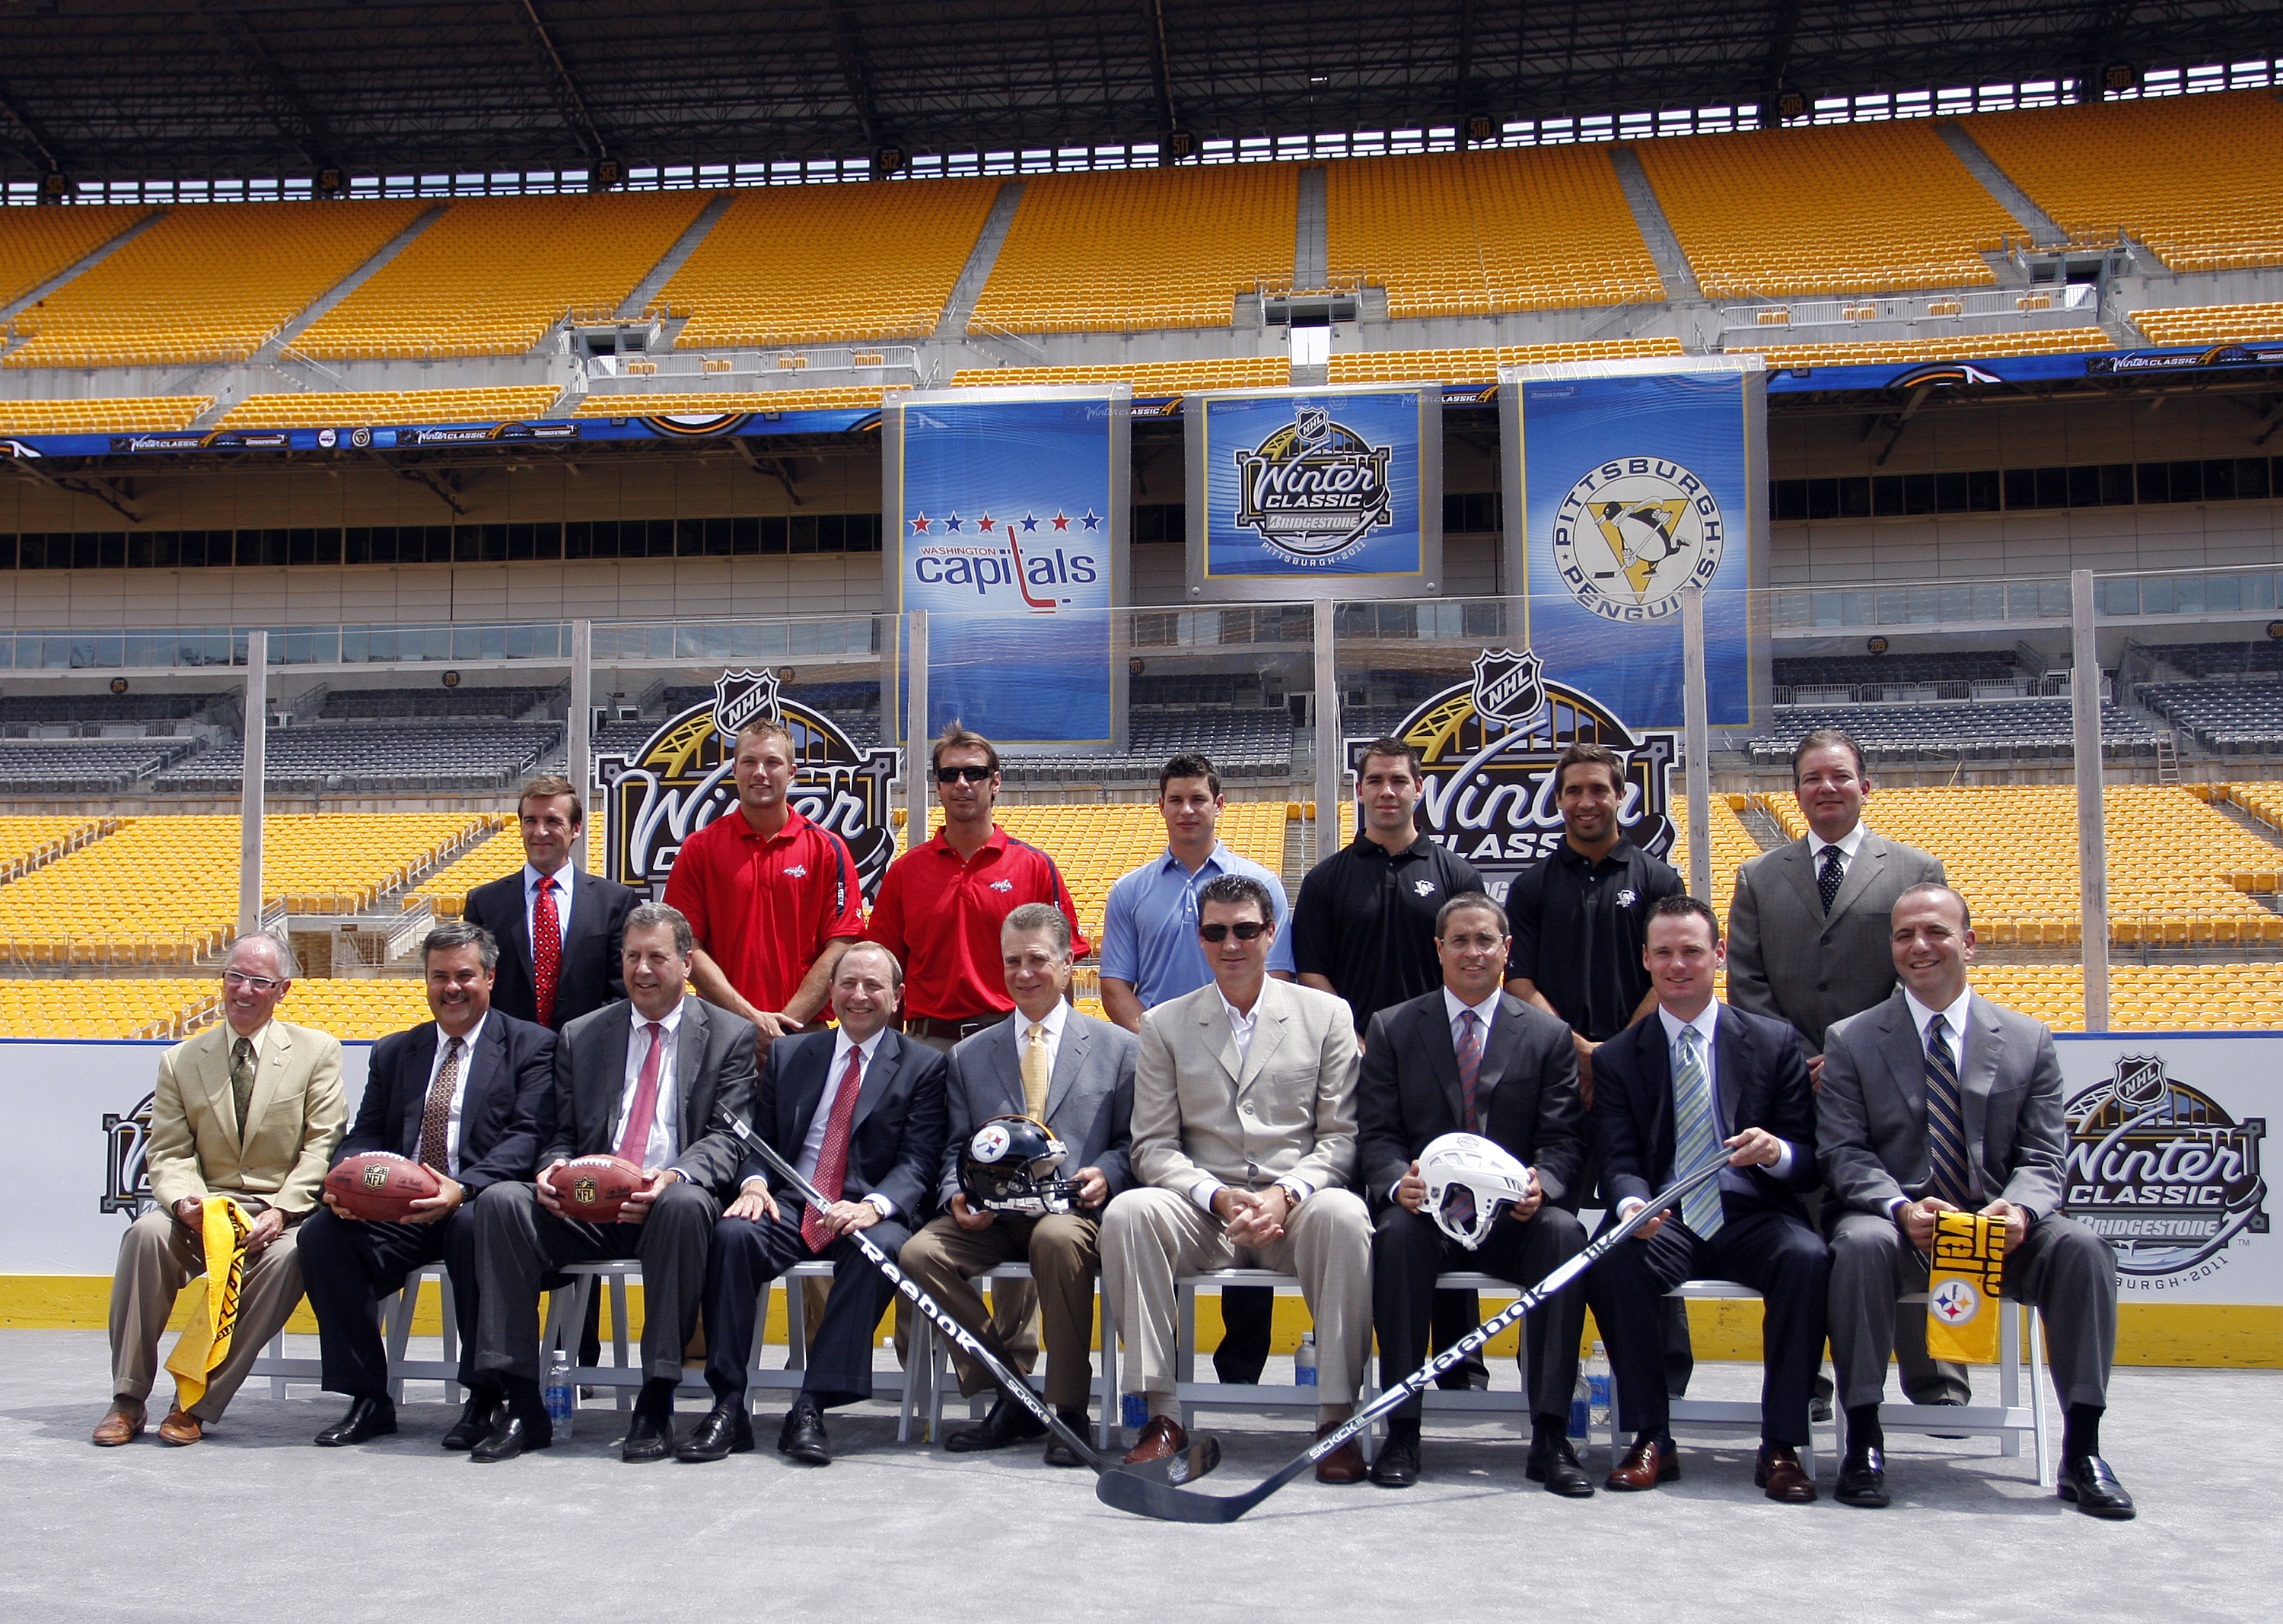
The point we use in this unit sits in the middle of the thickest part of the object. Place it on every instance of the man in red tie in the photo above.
(859, 1112)
(557, 925)
(657, 1079)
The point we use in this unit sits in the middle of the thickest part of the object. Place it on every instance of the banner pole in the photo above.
(580, 756)
(2092, 833)
(916, 788)
(1330, 769)
(1696, 742)
(250, 782)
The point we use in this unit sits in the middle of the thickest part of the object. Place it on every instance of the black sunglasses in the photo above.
(1246, 930)
(953, 775)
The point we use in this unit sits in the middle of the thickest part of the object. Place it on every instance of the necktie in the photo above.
(241, 1078)
(1694, 1137)
(1035, 1074)
(634, 1139)
(832, 1159)
(1946, 1122)
(546, 948)
(1470, 1067)
(1835, 871)
(436, 1117)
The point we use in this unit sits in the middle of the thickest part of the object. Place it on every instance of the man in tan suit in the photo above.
(250, 1110)
(1245, 1141)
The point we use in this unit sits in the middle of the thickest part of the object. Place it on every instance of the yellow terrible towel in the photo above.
(204, 1341)
(1969, 1260)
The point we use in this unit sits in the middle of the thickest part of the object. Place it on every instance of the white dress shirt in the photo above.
(1849, 845)
(459, 1088)
(1953, 1033)
(812, 1143)
(564, 887)
(666, 1121)
(1454, 1006)
(1056, 1020)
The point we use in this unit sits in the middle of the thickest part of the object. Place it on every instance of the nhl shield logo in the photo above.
(1508, 687)
(1314, 424)
(742, 697)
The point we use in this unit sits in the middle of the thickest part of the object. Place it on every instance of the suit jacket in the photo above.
(713, 1082)
(1788, 960)
(197, 1147)
(1089, 1094)
(1526, 1094)
(1285, 1107)
(507, 1099)
(1762, 1080)
(895, 1140)
(590, 976)
(1871, 1114)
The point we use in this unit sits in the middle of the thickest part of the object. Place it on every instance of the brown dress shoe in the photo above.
(1645, 1465)
(1777, 1471)
(1344, 1464)
(1162, 1438)
(122, 1423)
(181, 1428)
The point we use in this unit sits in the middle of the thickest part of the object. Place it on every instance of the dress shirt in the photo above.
(562, 890)
(459, 1087)
(1452, 1006)
(665, 1143)
(1849, 845)
(1149, 930)
(1706, 1024)
(1054, 1020)
(1241, 1027)
(812, 1143)
(1953, 1033)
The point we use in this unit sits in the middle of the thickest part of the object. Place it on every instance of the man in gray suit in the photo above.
(1940, 1101)
(1244, 1140)
(1075, 1074)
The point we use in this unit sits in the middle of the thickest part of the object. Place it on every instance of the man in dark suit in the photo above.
(558, 926)
(1075, 1074)
(860, 1113)
(1671, 1092)
(655, 1079)
(470, 1095)
(1940, 1101)
(1471, 1058)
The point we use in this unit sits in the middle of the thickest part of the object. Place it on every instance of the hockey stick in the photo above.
(1200, 1459)
(1168, 1504)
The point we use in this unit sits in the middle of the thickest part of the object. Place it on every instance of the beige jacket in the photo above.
(298, 1111)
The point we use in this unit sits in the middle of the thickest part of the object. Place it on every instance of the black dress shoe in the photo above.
(1818, 1398)
(478, 1417)
(1947, 1404)
(1397, 1463)
(802, 1439)
(1060, 1453)
(650, 1437)
(1862, 1478)
(1553, 1462)
(2088, 1484)
(370, 1414)
(1009, 1422)
(512, 1436)
(727, 1430)
(1469, 1375)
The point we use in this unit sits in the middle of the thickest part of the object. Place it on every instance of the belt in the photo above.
(928, 1026)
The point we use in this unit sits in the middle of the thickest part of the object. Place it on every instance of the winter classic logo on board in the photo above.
(1631, 533)
(2160, 1172)
(126, 1177)
(1314, 488)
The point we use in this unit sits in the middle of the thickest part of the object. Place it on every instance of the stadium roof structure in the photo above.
(121, 90)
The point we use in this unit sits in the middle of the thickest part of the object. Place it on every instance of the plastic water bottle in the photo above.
(1137, 1411)
(1304, 1360)
(1597, 1390)
(1581, 1406)
(562, 1398)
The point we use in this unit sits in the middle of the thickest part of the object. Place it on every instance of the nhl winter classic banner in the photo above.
(1009, 508)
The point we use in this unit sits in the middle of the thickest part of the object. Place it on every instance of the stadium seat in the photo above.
(390, 406)
(2211, 324)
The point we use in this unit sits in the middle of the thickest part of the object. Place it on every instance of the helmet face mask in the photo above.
(1463, 1169)
(1009, 1164)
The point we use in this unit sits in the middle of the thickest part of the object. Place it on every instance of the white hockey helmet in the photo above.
(1482, 1168)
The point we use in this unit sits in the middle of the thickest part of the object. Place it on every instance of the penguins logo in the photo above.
(1630, 534)
(2160, 1172)
(1314, 488)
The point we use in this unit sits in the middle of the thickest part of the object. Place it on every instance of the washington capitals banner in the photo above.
(1636, 484)
(1010, 510)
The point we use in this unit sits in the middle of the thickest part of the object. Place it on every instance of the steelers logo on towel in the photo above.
(1955, 1302)
(1631, 533)
(990, 1143)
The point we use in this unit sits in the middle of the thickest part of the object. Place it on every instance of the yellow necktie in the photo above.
(1035, 1074)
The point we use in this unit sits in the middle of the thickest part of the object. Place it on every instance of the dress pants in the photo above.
(157, 1257)
(349, 1265)
(518, 1243)
(2062, 1266)
(747, 1255)
(1151, 1236)
(1064, 1253)
(1774, 1254)
(1408, 1251)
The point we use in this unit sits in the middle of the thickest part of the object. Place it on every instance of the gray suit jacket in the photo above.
(1871, 1132)
(1787, 960)
(1089, 1096)
(714, 1083)
(1287, 1106)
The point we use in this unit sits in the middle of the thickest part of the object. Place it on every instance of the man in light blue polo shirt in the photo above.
(1149, 954)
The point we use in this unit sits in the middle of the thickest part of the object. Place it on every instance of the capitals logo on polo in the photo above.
(1313, 489)
(1487, 749)
(679, 781)
(1630, 534)
(2157, 1168)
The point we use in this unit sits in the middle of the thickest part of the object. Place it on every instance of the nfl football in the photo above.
(594, 1187)
(380, 1185)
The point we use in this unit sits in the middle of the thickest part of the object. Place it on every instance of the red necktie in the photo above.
(546, 948)
(832, 1159)
(634, 1139)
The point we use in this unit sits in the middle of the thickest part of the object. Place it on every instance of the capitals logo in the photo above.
(1039, 555)
(2160, 1172)
(1487, 749)
(1313, 489)
(1633, 532)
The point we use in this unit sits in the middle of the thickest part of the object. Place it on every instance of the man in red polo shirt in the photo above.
(775, 900)
(940, 904)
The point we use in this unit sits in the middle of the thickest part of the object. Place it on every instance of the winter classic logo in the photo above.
(1633, 532)
(2160, 1172)
(1314, 489)
(126, 1177)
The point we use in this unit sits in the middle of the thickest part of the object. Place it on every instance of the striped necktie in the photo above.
(1694, 1137)
(1946, 1122)
(1470, 1067)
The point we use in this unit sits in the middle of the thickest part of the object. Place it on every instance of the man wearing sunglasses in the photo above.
(1244, 1143)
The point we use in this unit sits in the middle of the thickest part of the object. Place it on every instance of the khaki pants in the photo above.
(1064, 1251)
(157, 1257)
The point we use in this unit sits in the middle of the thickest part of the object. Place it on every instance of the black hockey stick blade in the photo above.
(1147, 1497)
